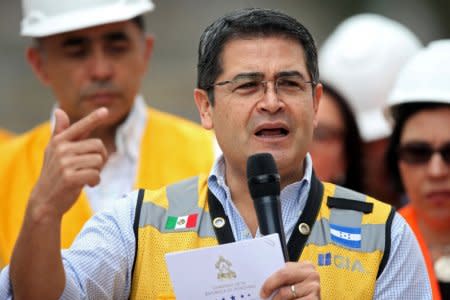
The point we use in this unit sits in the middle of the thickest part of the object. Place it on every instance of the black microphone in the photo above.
(264, 185)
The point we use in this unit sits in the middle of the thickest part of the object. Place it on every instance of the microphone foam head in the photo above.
(262, 175)
(260, 164)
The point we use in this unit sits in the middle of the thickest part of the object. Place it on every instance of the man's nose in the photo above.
(101, 66)
(270, 100)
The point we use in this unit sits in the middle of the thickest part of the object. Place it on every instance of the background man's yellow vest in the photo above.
(171, 149)
(348, 267)
(5, 135)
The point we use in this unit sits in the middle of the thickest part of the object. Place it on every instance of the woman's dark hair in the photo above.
(401, 114)
(352, 142)
(249, 23)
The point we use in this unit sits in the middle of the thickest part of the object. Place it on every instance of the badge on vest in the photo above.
(340, 261)
(182, 222)
(346, 236)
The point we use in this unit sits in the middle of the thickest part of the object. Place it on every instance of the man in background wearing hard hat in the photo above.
(361, 60)
(91, 54)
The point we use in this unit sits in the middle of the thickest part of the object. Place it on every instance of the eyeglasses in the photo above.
(416, 153)
(253, 87)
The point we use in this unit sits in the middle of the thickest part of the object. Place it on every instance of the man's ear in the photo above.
(35, 59)
(204, 108)
(318, 90)
(148, 51)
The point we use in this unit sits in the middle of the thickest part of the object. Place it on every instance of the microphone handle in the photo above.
(268, 212)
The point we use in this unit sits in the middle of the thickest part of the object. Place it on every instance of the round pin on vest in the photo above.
(304, 228)
(219, 222)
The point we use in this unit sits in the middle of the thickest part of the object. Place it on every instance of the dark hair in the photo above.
(401, 114)
(352, 142)
(247, 23)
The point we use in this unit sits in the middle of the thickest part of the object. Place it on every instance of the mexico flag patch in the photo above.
(183, 222)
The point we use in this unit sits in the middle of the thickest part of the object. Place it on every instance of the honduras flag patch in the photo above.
(346, 236)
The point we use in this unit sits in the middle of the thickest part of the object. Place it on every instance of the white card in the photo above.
(234, 271)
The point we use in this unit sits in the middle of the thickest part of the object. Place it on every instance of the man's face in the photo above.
(94, 67)
(277, 122)
(427, 183)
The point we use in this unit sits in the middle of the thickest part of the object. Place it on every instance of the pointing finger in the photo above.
(61, 121)
(84, 126)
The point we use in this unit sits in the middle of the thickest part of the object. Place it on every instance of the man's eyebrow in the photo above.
(290, 73)
(259, 75)
(249, 75)
(116, 36)
(74, 41)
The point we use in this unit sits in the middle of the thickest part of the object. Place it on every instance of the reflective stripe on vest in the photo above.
(374, 234)
(182, 200)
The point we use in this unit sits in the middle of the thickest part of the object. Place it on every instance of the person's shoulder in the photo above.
(5, 135)
(194, 185)
(348, 193)
(340, 195)
(407, 211)
(28, 143)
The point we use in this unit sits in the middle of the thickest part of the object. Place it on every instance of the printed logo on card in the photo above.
(223, 267)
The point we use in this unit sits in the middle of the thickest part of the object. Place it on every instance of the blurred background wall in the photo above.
(177, 25)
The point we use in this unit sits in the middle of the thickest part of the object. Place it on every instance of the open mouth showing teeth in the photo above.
(272, 132)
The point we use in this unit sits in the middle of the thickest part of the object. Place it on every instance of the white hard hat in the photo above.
(425, 78)
(361, 60)
(47, 17)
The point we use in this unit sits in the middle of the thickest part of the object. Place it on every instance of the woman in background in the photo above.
(419, 155)
(362, 68)
(336, 148)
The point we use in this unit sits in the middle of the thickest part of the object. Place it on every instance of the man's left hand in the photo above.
(296, 280)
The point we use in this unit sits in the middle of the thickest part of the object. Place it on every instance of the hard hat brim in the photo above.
(33, 26)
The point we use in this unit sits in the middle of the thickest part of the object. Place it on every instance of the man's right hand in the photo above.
(71, 160)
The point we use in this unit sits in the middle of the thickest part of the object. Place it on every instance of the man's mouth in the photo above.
(272, 132)
(101, 96)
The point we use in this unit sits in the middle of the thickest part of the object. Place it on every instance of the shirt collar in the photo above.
(295, 187)
(218, 186)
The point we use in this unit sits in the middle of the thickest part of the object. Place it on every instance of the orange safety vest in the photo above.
(410, 216)
(171, 149)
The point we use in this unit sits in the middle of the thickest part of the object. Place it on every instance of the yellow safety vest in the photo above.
(348, 266)
(5, 135)
(171, 149)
